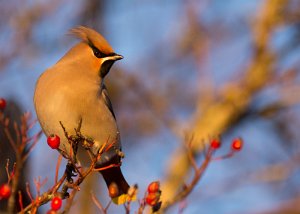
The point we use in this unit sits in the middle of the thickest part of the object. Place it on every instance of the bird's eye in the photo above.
(98, 53)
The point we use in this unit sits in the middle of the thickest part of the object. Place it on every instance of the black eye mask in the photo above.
(98, 53)
(105, 67)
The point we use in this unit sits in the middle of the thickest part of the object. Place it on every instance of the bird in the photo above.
(73, 91)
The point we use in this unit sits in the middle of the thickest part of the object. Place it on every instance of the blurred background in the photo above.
(192, 70)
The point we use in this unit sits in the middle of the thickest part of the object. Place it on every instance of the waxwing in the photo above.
(73, 90)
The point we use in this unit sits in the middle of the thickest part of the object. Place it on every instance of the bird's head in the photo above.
(93, 51)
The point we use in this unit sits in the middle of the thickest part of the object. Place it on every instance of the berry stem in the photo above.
(229, 155)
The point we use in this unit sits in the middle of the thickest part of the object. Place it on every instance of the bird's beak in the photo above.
(114, 57)
(107, 62)
(118, 57)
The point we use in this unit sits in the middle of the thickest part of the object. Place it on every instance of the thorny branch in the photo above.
(66, 181)
(22, 146)
(74, 174)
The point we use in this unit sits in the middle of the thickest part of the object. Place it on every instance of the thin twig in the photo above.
(10, 140)
(21, 202)
(17, 132)
(7, 171)
(57, 168)
(65, 179)
(35, 140)
(70, 201)
(198, 173)
(98, 203)
(108, 205)
(28, 192)
(106, 167)
(142, 204)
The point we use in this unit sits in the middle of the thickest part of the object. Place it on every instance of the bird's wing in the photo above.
(107, 100)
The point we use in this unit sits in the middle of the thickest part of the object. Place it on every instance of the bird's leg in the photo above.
(70, 169)
(76, 140)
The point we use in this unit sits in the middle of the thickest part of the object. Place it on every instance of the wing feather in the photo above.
(107, 100)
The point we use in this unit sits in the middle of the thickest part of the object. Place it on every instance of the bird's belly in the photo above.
(97, 121)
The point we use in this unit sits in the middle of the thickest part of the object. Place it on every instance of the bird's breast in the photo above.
(70, 102)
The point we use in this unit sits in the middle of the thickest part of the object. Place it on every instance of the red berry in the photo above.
(152, 198)
(215, 144)
(153, 187)
(237, 144)
(53, 141)
(2, 103)
(56, 203)
(5, 191)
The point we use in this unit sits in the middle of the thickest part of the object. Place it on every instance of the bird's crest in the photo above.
(92, 38)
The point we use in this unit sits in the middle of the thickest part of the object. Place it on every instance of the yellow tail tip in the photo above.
(130, 196)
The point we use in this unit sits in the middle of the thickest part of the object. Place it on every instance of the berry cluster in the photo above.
(153, 195)
(236, 146)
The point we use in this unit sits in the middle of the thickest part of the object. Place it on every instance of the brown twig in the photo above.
(57, 168)
(142, 204)
(28, 192)
(108, 204)
(21, 202)
(106, 167)
(70, 201)
(58, 184)
(73, 140)
(46, 196)
(7, 171)
(39, 184)
(10, 139)
(98, 204)
(31, 142)
(23, 145)
(198, 173)
(132, 192)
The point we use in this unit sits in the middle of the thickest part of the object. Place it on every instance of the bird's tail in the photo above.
(116, 184)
